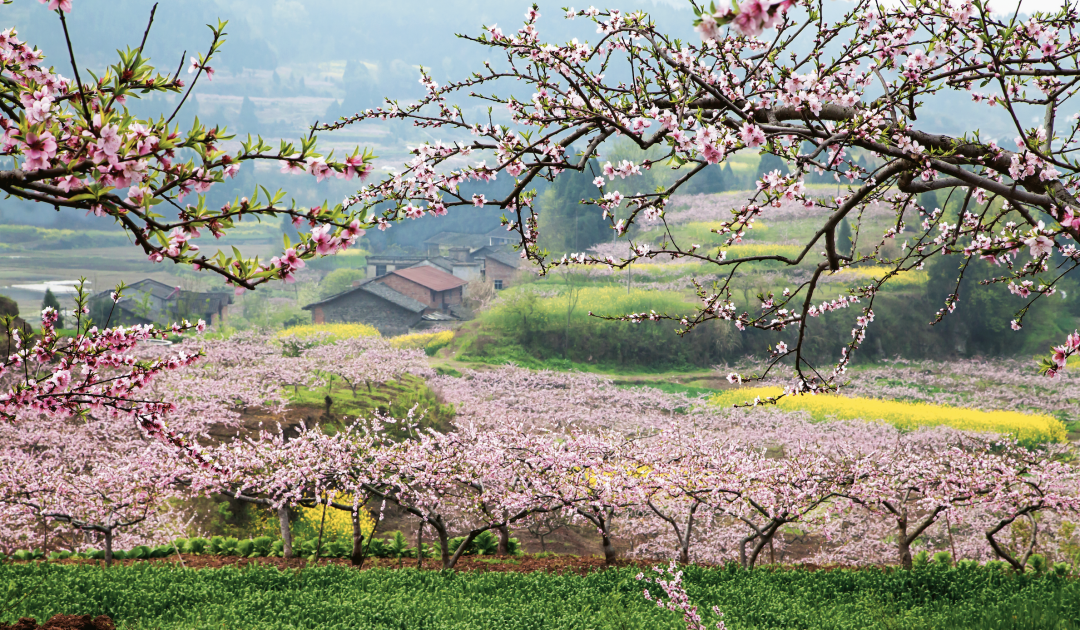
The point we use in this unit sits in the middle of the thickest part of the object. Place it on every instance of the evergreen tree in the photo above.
(711, 180)
(247, 122)
(50, 300)
(928, 200)
(770, 163)
(843, 238)
(566, 224)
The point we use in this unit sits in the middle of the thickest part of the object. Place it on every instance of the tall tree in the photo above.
(50, 301)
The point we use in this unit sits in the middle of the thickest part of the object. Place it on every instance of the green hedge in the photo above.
(334, 597)
(394, 546)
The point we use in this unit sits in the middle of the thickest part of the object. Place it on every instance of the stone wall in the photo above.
(365, 308)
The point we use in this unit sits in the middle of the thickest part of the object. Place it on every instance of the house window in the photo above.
(498, 285)
(380, 270)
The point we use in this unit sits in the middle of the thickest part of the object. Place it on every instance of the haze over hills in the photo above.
(290, 63)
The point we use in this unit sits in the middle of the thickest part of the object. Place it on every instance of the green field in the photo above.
(157, 596)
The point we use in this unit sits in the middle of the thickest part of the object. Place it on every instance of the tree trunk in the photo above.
(444, 543)
(903, 542)
(322, 523)
(420, 545)
(609, 549)
(357, 556)
(504, 540)
(108, 547)
(765, 538)
(1018, 564)
(286, 531)
(543, 547)
(460, 550)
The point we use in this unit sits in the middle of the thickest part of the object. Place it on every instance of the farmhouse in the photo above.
(436, 289)
(500, 265)
(152, 302)
(372, 303)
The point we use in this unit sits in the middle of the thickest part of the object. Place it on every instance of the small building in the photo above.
(500, 237)
(467, 270)
(152, 302)
(382, 265)
(428, 284)
(500, 266)
(372, 303)
(444, 241)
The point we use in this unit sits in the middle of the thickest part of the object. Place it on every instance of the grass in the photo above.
(906, 415)
(394, 398)
(165, 597)
(671, 388)
(430, 342)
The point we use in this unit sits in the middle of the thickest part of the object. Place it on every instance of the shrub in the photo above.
(1038, 563)
(430, 342)
(339, 281)
(245, 548)
(261, 546)
(339, 549)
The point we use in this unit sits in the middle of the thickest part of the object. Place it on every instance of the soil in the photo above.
(63, 622)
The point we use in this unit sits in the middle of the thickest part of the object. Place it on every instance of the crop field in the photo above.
(163, 597)
(906, 415)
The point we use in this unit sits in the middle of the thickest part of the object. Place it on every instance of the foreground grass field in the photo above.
(154, 596)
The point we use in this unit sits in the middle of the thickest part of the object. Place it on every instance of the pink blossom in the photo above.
(1040, 245)
(319, 168)
(752, 135)
(63, 5)
(39, 150)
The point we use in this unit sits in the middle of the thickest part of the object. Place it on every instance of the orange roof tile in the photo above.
(430, 278)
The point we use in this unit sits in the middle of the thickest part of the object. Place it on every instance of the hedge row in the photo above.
(396, 546)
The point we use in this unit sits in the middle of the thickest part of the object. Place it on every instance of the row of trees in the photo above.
(680, 494)
(669, 477)
(102, 478)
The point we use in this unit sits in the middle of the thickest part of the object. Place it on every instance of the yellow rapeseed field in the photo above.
(906, 415)
(423, 340)
(762, 249)
(859, 274)
(338, 524)
(336, 331)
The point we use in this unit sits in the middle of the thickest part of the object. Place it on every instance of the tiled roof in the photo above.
(379, 290)
(457, 239)
(430, 277)
(508, 259)
(390, 295)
